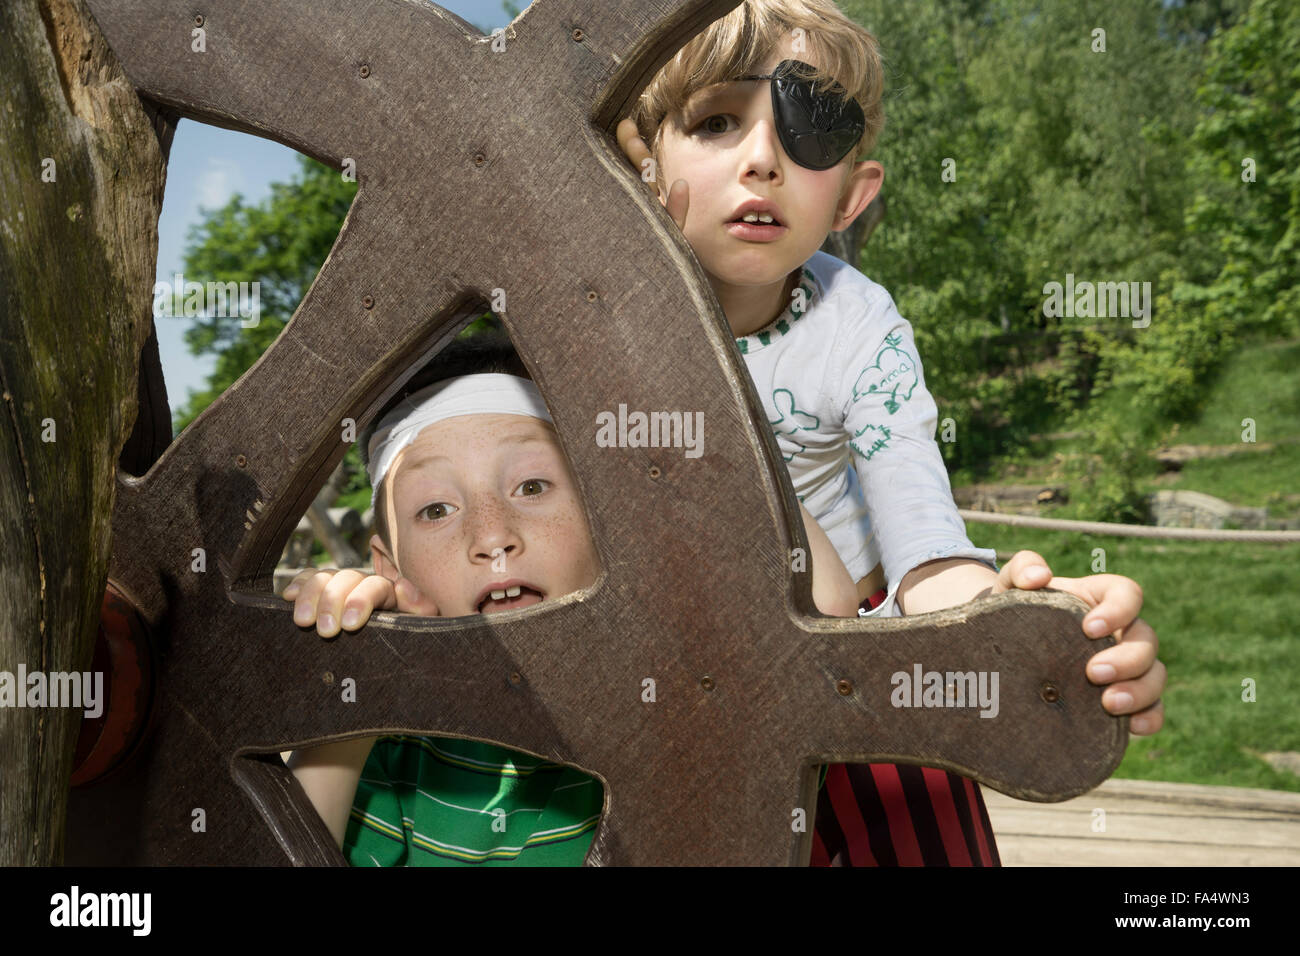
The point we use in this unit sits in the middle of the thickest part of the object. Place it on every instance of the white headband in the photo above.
(486, 393)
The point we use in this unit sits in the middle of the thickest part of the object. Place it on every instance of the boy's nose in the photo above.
(493, 533)
(498, 554)
(762, 149)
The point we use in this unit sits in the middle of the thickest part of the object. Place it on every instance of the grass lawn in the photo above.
(1223, 613)
(1265, 479)
(1258, 382)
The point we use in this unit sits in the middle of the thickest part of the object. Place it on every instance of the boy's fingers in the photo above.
(679, 201)
(1026, 571)
(1116, 601)
(379, 591)
(1135, 675)
(373, 592)
(299, 580)
(635, 149)
(310, 585)
(410, 600)
(329, 608)
(1132, 658)
(1148, 721)
(1135, 696)
(630, 141)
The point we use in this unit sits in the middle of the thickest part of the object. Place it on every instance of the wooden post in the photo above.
(81, 177)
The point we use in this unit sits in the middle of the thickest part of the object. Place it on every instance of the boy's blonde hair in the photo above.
(738, 44)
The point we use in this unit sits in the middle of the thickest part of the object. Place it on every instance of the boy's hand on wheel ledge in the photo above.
(336, 600)
(1135, 675)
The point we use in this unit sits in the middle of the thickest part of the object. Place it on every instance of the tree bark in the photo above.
(81, 180)
(847, 245)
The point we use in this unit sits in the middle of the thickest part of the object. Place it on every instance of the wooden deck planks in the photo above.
(1151, 824)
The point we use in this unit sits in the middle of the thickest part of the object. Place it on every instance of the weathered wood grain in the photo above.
(483, 169)
(81, 180)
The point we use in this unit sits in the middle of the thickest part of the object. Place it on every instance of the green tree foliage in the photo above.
(1246, 164)
(1239, 277)
(1025, 140)
(1066, 128)
(280, 244)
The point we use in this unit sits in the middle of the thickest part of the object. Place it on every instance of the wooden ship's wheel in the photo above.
(485, 166)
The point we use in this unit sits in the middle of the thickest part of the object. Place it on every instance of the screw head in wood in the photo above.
(1049, 692)
(707, 683)
(365, 70)
(241, 461)
(844, 687)
(368, 302)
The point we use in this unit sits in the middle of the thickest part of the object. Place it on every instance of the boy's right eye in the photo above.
(708, 121)
(426, 511)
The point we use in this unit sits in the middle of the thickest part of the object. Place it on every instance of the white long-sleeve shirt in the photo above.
(840, 379)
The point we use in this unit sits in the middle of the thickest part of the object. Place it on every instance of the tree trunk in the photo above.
(323, 526)
(847, 245)
(81, 178)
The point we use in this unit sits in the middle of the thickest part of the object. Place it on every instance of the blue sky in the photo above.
(206, 167)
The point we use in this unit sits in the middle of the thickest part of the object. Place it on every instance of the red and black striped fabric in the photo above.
(885, 814)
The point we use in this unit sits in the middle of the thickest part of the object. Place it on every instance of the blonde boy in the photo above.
(760, 123)
(834, 363)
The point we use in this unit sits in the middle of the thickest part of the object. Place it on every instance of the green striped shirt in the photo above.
(440, 801)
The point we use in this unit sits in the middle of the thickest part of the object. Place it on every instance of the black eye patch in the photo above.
(817, 130)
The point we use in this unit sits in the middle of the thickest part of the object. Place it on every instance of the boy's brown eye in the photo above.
(431, 512)
(534, 483)
(710, 126)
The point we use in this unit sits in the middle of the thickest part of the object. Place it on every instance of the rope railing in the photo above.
(1131, 530)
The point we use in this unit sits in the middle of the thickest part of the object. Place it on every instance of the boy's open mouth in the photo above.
(757, 211)
(759, 219)
(510, 597)
(755, 231)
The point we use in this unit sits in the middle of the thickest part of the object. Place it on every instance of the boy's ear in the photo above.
(383, 561)
(862, 186)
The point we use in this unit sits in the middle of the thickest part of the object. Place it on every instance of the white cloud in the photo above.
(218, 181)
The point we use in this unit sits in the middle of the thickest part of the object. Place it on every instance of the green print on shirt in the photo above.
(893, 372)
(873, 443)
(792, 420)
